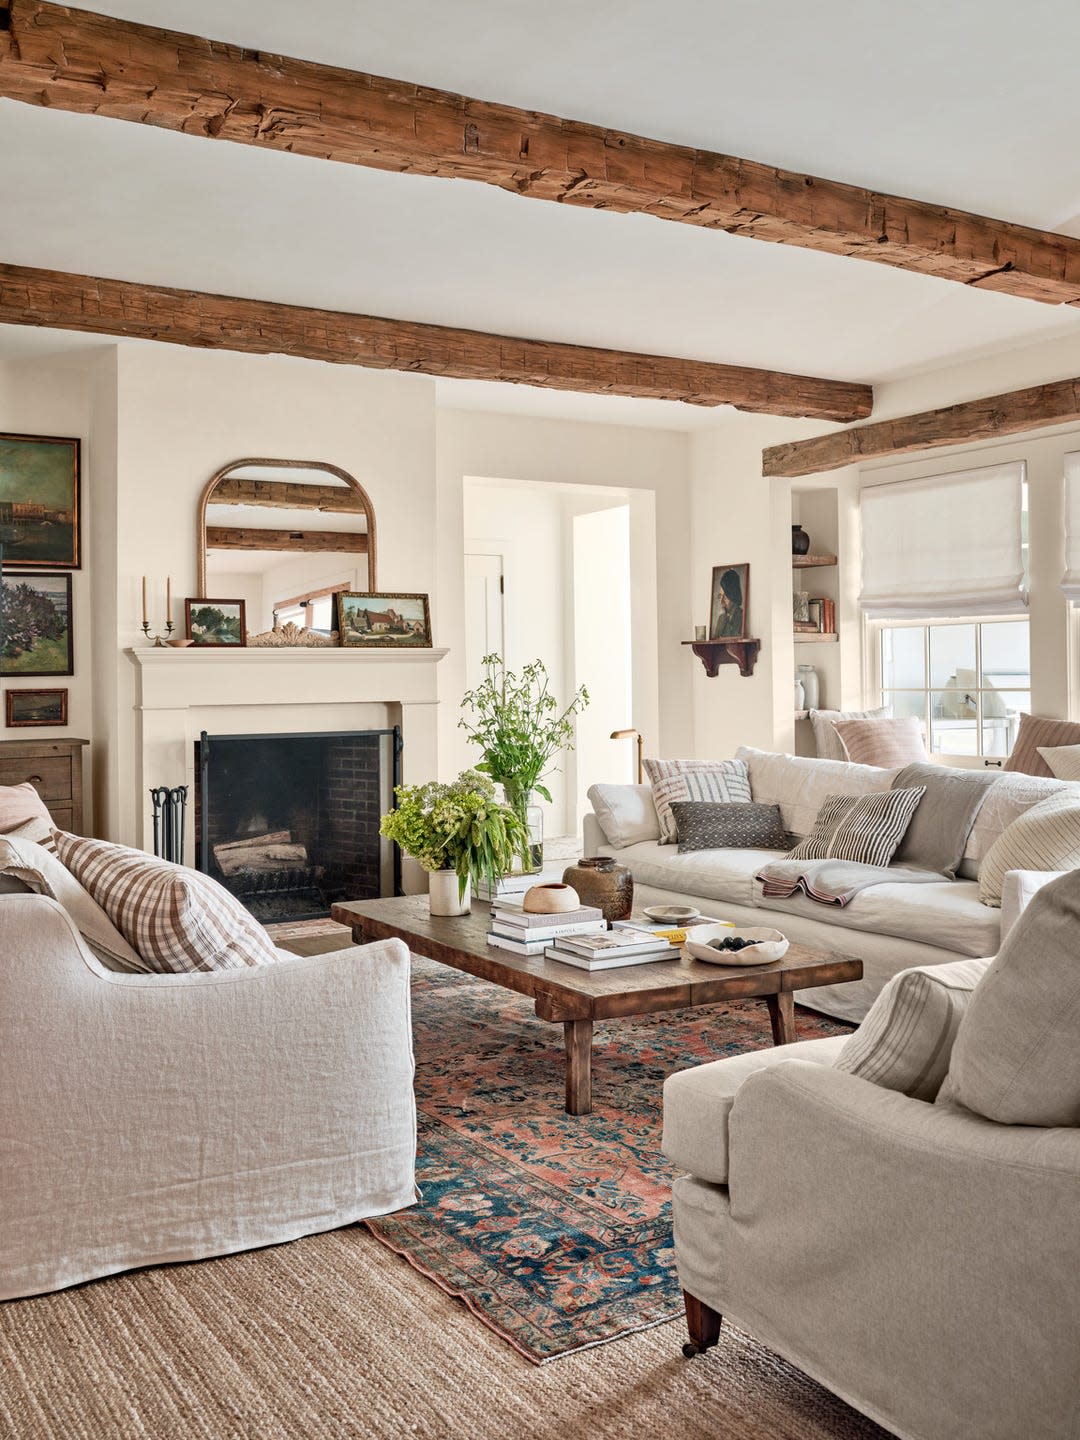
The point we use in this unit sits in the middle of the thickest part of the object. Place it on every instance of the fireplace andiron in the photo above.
(169, 810)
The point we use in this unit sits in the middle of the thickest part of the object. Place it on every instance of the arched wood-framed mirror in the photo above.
(285, 536)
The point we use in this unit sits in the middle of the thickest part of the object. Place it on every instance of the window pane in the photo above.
(952, 657)
(906, 702)
(903, 657)
(321, 613)
(954, 722)
(1006, 654)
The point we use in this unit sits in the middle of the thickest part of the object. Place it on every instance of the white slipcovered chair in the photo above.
(152, 1118)
(919, 1259)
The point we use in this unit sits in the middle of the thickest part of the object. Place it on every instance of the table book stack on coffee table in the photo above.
(577, 998)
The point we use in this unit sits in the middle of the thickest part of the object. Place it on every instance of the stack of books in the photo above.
(623, 946)
(513, 887)
(822, 619)
(524, 934)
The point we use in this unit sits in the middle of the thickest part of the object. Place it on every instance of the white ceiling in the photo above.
(937, 102)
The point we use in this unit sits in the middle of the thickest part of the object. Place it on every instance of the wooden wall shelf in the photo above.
(714, 653)
(805, 637)
(812, 562)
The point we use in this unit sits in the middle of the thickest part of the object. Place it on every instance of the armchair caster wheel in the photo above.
(690, 1350)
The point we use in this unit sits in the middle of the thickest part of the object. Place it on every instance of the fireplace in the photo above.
(290, 822)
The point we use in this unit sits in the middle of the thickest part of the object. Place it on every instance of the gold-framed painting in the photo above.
(398, 621)
(729, 602)
(35, 624)
(35, 707)
(40, 519)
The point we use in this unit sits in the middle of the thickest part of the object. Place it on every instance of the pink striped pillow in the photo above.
(886, 742)
(177, 919)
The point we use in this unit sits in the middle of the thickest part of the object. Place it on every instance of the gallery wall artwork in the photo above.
(729, 602)
(35, 624)
(40, 518)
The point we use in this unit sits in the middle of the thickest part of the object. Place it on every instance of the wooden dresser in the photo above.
(54, 768)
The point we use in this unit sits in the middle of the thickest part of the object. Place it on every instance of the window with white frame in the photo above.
(309, 612)
(967, 681)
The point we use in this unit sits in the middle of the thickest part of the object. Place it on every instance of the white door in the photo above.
(483, 613)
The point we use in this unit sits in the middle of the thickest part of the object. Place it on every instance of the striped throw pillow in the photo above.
(726, 780)
(864, 828)
(176, 919)
(1035, 732)
(1046, 837)
(887, 742)
(907, 1037)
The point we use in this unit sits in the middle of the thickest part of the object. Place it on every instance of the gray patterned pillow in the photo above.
(719, 825)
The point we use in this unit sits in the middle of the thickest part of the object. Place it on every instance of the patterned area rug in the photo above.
(555, 1230)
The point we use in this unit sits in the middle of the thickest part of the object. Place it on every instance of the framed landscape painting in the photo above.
(35, 624)
(36, 707)
(215, 622)
(39, 502)
(402, 621)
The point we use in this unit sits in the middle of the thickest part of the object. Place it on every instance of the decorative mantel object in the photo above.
(518, 725)
(399, 620)
(800, 541)
(714, 653)
(600, 881)
(293, 637)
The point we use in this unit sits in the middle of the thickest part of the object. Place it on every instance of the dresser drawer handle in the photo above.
(35, 780)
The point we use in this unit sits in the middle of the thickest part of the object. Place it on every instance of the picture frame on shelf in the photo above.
(35, 623)
(815, 613)
(40, 515)
(217, 623)
(396, 621)
(729, 602)
(23, 708)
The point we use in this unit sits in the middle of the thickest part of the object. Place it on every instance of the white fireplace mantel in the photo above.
(225, 691)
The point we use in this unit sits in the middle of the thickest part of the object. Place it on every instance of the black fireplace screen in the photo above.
(290, 823)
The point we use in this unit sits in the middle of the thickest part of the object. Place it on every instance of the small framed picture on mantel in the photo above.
(398, 621)
(215, 622)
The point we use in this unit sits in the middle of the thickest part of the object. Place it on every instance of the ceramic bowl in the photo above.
(671, 914)
(179, 643)
(554, 899)
(769, 945)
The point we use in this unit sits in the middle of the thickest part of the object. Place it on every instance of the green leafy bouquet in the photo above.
(517, 723)
(459, 827)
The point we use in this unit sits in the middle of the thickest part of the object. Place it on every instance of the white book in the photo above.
(615, 942)
(609, 962)
(546, 932)
(517, 947)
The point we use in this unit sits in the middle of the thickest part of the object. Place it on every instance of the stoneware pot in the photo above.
(808, 679)
(553, 899)
(600, 881)
(800, 541)
(443, 894)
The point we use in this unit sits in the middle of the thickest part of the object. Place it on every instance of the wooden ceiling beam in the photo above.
(57, 300)
(1032, 409)
(288, 495)
(93, 64)
(342, 542)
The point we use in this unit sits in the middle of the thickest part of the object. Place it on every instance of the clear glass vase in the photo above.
(531, 854)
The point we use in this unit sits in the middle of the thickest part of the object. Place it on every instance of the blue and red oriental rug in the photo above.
(554, 1230)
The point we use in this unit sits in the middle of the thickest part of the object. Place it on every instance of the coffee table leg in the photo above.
(578, 1037)
(782, 1017)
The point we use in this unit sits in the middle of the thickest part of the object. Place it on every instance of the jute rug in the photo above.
(554, 1229)
(335, 1338)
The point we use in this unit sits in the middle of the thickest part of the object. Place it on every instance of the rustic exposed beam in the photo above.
(1055, 404)
(94, 64)
(261, 327)
(288, 495)
(341, 542)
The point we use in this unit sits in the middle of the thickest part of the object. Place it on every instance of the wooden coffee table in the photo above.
(576, 998)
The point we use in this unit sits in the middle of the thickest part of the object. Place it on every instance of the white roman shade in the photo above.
(1071, 583)
(946, 546)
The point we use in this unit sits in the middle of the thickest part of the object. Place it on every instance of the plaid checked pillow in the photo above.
(177, 919)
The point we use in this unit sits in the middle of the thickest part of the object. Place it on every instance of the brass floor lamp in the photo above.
(634, 735)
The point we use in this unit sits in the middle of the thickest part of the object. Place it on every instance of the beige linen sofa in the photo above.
(153, 1118)
(888, 927)
(918, 1259)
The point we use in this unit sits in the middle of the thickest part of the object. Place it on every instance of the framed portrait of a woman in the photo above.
(730, 602)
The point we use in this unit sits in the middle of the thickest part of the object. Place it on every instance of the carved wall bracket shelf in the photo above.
(714, 653)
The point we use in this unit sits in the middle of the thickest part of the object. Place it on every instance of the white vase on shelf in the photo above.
(811, 686)
(800, 695)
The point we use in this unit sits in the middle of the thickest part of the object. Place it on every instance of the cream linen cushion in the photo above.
(36, 868)
(1063, 760)
(907, 1037)
(800, 784)
(20, 804)
(882, 742)
(626, 813)
(1046, 837)
(672, 780)
(177, 919)
(1010, 796)
(826, 739)
(1016, 1059)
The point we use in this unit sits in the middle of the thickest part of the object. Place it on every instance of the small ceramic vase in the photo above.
(600, 881)
(553, 899)
(443, 896)
(811, 687)
(800, 541)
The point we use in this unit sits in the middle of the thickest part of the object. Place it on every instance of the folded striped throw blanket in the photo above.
(833, 882)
